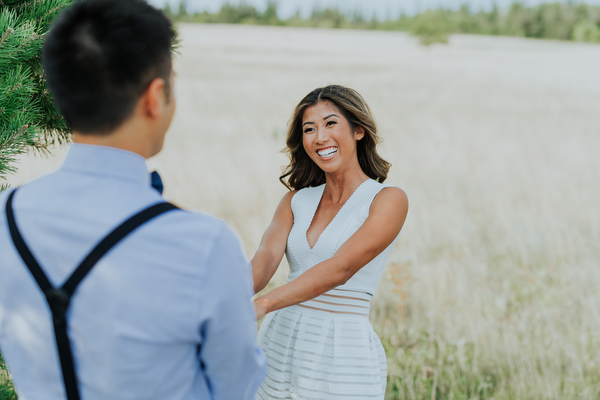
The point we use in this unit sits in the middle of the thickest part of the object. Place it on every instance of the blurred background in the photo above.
(489, 114)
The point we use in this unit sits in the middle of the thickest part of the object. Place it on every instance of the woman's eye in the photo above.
(307, 130)
(330, 123)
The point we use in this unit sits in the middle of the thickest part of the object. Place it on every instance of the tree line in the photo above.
(558, 21)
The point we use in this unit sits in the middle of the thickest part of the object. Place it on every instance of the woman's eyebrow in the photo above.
(330, 115)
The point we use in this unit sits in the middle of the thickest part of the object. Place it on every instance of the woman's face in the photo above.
(328, 138)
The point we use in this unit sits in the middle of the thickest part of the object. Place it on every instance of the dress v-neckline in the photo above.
(334, 217)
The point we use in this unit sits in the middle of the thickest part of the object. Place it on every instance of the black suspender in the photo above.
(59, 298)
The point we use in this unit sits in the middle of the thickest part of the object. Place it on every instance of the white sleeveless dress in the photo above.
(325, 348)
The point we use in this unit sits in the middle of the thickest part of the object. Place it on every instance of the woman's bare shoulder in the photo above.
(391, 200)
(286, 201)
(392, 194)
(287, 198)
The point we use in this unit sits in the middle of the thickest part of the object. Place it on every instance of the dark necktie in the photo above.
(156, 181)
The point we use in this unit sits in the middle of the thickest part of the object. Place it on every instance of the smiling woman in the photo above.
(337, 227)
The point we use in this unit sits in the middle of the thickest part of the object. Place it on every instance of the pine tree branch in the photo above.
(29, 120)
(54, 10)
(24, 44)
(11, 142)
(14, 88)
(8, 32)
(31, 3)
(14, 146)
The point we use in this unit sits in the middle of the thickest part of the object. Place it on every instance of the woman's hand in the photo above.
(261, 308)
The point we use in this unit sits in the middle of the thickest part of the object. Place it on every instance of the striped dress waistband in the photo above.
(341, 301)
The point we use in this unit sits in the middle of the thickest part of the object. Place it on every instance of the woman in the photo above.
(336, 226)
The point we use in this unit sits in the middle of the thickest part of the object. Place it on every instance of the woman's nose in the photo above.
(322, 136)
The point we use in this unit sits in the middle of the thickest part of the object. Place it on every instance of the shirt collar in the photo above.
(106, 161)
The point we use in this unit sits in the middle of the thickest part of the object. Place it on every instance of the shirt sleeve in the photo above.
(233, 364)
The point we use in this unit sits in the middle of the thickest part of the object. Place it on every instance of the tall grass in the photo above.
(492, 289)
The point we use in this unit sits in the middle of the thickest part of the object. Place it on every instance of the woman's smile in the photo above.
(327, 153)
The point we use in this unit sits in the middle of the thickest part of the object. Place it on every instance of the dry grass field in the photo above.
(493, 290)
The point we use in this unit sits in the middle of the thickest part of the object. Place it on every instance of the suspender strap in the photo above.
(110, 240)
(59, 298)
(24, 252)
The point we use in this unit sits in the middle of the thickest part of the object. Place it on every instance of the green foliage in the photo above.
(7, 390)
(430, 27)
(29, 120)
(546, 21)
(557, 21)
(425, 367)
(228, 14)
(586, 31)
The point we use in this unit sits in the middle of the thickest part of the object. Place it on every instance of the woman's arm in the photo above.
(386, 217)
(273, 244)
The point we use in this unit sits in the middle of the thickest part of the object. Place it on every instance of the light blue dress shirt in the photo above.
(165, 315)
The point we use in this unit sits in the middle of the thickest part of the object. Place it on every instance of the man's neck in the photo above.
(125, 137)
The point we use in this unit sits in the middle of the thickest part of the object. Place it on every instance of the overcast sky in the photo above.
(381, 8)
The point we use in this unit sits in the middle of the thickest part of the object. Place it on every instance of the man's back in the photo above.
(164, 315)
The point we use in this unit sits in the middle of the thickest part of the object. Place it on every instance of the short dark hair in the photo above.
(302, 171)
(101, 55)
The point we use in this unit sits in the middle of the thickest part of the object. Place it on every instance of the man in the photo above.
(164, 312)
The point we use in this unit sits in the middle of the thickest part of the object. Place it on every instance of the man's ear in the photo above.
(154, 98)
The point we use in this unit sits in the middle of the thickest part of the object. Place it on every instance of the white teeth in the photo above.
(327, 152)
